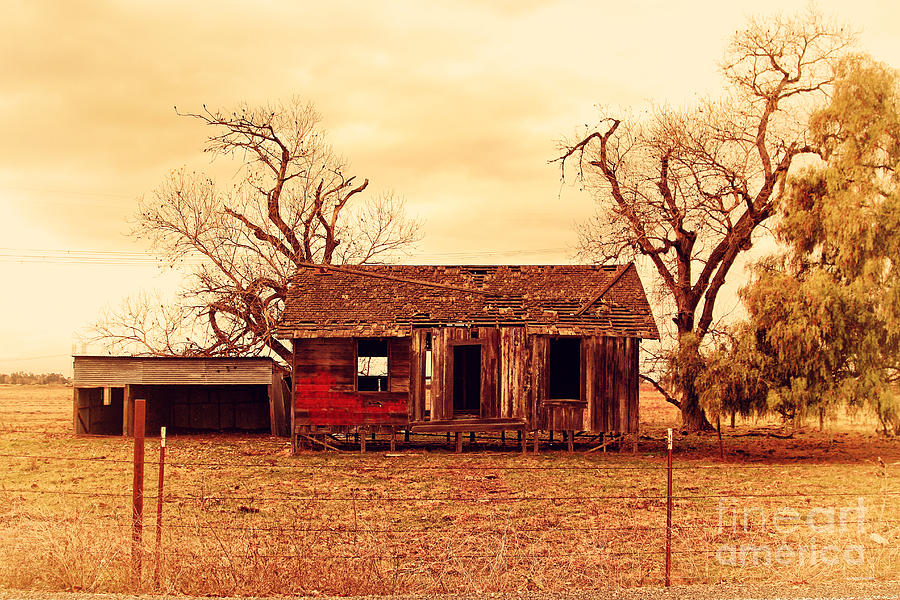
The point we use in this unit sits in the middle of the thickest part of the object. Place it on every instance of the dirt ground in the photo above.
(241, 516)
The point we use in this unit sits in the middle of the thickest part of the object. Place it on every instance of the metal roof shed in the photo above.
(184, 394)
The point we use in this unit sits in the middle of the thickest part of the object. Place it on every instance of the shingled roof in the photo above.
(388, 300)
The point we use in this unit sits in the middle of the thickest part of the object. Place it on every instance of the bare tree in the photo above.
(293, 205)
(686, 190)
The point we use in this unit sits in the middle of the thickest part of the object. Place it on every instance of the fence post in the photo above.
(137, 496)
(159, 504)
(669, 510)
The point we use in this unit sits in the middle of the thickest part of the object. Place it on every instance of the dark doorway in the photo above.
(467, 379)
(565, 369)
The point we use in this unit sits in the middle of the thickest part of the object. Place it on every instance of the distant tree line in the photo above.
(22, 378)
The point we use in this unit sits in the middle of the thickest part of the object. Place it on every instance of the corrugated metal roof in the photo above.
(373, 300)
(116, 371)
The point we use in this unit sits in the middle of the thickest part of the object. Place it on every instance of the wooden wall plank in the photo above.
(540, 352)
(588, 364)
(439, 348)
(334, 356)
(634, 385)
(398, 364)
(621, 384)
(490, 371)
(606, 370)
(418, 353)
(513, 372)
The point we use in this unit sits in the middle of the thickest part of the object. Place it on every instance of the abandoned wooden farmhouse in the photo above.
(465, 348)
(182, 394)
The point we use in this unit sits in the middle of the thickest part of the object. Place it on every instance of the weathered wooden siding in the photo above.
(514, 383)
(335, 357)
(591, 370)
(615, 405)
(418, 355)
(554, 414)
(443, 341)
(223, 393)
(92, 416)
(325, 385)
(398, 364)
(490, 371)
(205, 408)
(608, 383)
(538, 356)
(117, 371)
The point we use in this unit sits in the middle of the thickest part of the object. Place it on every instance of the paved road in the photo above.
(889, 590)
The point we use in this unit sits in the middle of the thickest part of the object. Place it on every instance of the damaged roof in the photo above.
(389, 300)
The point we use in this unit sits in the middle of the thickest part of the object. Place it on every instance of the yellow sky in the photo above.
(456, 106)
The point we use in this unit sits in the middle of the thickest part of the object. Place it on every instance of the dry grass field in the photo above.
(242, 516)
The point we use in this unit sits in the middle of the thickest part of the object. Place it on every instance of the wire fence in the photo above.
(373, 526)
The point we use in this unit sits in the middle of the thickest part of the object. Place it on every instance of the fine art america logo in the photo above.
(821, 524)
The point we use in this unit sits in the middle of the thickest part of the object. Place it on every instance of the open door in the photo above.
(466, 380)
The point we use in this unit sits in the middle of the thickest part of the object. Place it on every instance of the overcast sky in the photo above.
(456, 106)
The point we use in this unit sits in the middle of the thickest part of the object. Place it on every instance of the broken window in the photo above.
(371, 365)
(565, 369)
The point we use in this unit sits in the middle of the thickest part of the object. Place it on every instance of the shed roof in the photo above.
(385, 300)
(115, 371)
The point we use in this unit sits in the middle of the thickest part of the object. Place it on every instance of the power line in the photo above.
(35, 255)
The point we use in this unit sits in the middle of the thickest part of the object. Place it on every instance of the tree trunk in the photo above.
(693, 418)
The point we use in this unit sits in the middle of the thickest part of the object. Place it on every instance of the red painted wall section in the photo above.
(317, 403)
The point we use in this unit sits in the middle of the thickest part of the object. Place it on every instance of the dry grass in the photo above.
(245, 517)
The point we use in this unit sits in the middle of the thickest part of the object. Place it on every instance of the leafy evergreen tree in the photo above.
(824, 324)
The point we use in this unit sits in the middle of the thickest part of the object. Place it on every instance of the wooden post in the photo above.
(127, 412)
(75, 411)
(536, 436)
(393, 439)
(669, 510)
(362, 441)
(137, 496)
(458, 442)
(570, 438)
(159, 505)
(502, 438)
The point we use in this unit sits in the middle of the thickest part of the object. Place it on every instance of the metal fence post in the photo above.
(669, 510)
(159, 504)
(137, 496)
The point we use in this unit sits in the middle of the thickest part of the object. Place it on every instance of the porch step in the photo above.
(467, 424)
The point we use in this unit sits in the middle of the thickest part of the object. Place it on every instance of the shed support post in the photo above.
(393, 439)
(458, 442)
(127, 412)
(362, 441)
(570, 437)
(536, 437)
